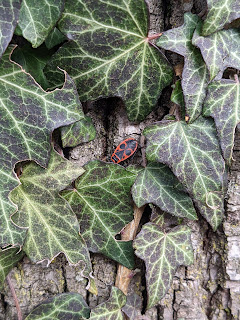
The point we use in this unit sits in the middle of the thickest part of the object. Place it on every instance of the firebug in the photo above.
(124, 150)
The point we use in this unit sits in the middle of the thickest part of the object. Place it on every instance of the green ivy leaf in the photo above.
(80, 132)
(133, 307)
(195, 74)
(25, 131)
(220, 13)
(219, 50)
(36, 21)
(70, 306)
(193, 154)
(101, 200)
(52, 226)
(222, 103)
(33, 61)
(8, 260)
(9, 15)
(110, 54)
(111, 309)
(177, 95)
(157, 184)
(162, 253)
(54, 38)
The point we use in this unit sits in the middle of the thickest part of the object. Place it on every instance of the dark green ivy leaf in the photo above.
(25, 131)
(101, 200)
(220, 13)
(110, 54)
(9, 14)
(223, 104)
(51, 225)
(38, 18)
(157, 184)
(8, 260)
(80, 132)
(133, 306)
(33, 61)
(54, 38)
(195, 74)
(111, 309)
(177, 95)
(66, 306)
(162, 253)
(193, 154)
(219, 50)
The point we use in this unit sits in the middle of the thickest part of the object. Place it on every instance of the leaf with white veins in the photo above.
(111, 309)
(220, 13)
(51, 225)
(101, 200)
(219, 50)
(37, 18)
(79, 132)
(133, 306)
(162, 253)
(157, 184)
(195, 76)
(25, 131)
(110, 54)
(33, 61)
(54, 38)
(8, 260)
(9, 15)
(68, 306)
(223, 104)
(192, 152)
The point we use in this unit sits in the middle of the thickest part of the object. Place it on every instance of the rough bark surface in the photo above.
(208, 289)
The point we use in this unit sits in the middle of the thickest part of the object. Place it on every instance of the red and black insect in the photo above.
(124, 150)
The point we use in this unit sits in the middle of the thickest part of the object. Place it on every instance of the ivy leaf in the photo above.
(220, 13)
(157, 184)
(177, 96)
(9, 15)
(193, 154)
(195, 75)
(25, 131)
(36, 21)
(70, 306)
(80, 132)
(162, 253)
(219, 50)
(133, 307)
(110, 54)
(101, 200)
(8, 260)
(222, 103)
(111, 309)
(33, 61)
(54, 38)
(52, 226)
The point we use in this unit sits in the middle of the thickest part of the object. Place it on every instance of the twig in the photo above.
(13, 292)
(154, 36)
(124, 274)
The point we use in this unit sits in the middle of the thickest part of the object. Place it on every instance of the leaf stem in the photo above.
(153, 36)
(13, 292)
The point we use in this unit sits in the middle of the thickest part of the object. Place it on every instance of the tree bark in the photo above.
(208, 289)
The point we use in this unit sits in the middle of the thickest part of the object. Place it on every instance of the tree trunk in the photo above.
(208, 289)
